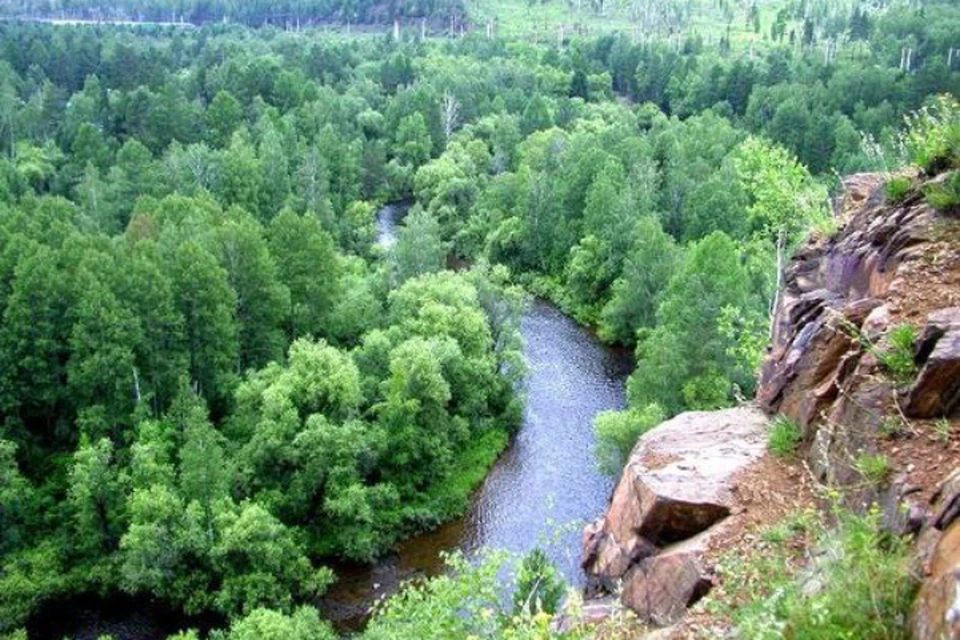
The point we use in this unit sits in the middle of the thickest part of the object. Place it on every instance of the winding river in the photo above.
(540, 492)
(544, 487)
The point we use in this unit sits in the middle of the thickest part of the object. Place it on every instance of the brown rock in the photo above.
(656, 503)
(660, 589)
(936, 613)
(946, 501)
(936, 391)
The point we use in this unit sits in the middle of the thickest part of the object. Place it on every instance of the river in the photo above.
(544, 487)
(539, 493)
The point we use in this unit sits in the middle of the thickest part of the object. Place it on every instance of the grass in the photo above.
(859, 584)
(897, 358)
(897, 189)
(943, 429)
(875, 468)
(944, 196)
(785, 437)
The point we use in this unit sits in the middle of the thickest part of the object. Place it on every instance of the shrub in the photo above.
(617, 432)
(539, 586)
(898, 357)
(860, 586)
(933, 136)
(785, 437)
(875, 468)
(944, 196)
(897, 189)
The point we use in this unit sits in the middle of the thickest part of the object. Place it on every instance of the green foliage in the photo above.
(943, 429)
(685, 362)
(944, 195)
(898, 188)
(864, 585)
(933, 135)
(464, 602)
(618, 431)
(265, 624)
(785, 437)
(875, 468)
(898, 357)
(539, 586)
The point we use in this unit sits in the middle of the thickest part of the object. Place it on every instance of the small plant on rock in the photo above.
(897, 189)
(785, 437)
(892, 427)
(898, 357)
(944, 196)
(875, 468)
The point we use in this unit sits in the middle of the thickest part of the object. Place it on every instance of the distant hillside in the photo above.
(250, 12)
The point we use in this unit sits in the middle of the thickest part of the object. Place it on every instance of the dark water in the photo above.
(388, 218)
(546, 485)
(540, 493)
(122, 617)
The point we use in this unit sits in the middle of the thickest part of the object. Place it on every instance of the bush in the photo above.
(785, 437)
(617, 432)
(464, 602)
(860, 586)
(897, 189)
(933, 137)
(539, 586)
(944, 196)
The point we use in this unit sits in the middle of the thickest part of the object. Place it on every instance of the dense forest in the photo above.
(250, 12)
(213, 380)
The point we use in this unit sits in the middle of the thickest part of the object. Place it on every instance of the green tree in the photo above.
(95, 497)
(419, 249)
(203, 296)
(309, 267)
(636, 293)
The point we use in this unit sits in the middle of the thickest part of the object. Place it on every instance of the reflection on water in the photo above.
(388, 218)
(541, 490)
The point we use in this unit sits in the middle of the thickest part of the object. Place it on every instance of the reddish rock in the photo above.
(936, 391)
(936, 614)
(657, 503)
(659, 589)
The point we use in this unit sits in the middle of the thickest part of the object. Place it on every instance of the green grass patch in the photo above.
(897, 189)
(785, 437)
(897, 358)
(944, 196)
(858, 584)
(875, 468)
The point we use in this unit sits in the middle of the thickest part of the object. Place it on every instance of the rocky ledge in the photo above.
(843, 298)
(677, 490)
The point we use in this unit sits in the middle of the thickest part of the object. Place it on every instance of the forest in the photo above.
(214, 381)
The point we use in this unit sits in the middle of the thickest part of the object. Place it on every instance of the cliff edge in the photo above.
(865, 361)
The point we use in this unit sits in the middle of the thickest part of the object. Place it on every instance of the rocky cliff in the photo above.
(865, 358)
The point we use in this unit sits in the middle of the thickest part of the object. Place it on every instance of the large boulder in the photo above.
(680, 481)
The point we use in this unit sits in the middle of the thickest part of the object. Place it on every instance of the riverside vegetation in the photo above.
(211, 379)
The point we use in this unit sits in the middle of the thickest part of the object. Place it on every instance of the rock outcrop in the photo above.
(890, 265)
(678, 487)
(828, 369)
(937, 612)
